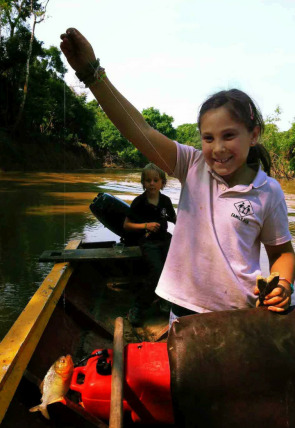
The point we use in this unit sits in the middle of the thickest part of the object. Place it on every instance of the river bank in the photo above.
(18, 155)
(22, 155)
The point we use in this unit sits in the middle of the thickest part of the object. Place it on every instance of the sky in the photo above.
(173, 54)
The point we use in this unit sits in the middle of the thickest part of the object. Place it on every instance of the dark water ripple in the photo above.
(43, 211)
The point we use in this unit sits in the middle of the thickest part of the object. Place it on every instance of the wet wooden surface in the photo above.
(90, 254)
(95, 295)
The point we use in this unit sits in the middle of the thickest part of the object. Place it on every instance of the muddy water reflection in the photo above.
(42, 211)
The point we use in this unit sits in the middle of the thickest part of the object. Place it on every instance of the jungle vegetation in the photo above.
(39, 110)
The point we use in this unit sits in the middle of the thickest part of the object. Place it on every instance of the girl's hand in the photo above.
(77, 49)
(278, 300)
(153, 227)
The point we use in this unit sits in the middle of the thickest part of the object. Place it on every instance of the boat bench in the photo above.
(104, 253)
(89, 254)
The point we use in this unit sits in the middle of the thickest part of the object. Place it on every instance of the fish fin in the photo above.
(34, 409)
(43, 410)
(57, 400)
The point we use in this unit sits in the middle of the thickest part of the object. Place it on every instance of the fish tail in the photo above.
(42, 409)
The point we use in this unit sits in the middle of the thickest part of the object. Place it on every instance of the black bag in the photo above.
(233, 369)
(110, 211)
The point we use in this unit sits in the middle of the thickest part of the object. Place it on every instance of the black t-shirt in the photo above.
(141, 211)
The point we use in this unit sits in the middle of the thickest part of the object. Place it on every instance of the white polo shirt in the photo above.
(214, 255)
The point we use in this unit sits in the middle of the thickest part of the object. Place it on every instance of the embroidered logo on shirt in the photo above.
(163, 212)
(244, 209)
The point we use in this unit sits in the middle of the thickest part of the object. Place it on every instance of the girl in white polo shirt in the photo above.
(228, 206)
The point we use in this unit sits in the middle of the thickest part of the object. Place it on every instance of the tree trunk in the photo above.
(14, 22)
(22, 106)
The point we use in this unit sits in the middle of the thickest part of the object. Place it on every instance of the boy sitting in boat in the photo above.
(147, 224)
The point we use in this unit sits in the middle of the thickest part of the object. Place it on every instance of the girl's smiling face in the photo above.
(226, 143)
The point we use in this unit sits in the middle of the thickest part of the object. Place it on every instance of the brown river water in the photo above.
(44, 211)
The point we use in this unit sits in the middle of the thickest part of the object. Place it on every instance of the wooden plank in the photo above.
(163, 334)
(85, 317)
(17, 347)
(89, 254)
(116, 410)
(97, 244)
(84, 414)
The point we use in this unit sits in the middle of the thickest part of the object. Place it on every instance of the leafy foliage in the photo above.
(161, 122)
(188, 133)
(280, 145)
(54, 112)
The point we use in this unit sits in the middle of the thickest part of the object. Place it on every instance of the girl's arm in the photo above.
(172, 213)
(156, 147)
(282, 260)
(133, 227)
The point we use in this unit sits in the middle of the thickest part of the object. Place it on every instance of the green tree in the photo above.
(12, 72)
(52, 108)
(288, 142)
(161, 122)
(110, 142)
(14, 13)
(53, 62)
(107, 135)
(38, 14)
(188, 133)
(277, 145)
(3, 20)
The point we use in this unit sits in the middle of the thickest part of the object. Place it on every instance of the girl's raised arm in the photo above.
(155, 146)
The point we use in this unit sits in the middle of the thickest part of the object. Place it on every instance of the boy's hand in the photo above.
(77, 49)
(278, 300)
(153, 227)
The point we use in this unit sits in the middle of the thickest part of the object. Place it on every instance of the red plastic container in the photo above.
(146, 385)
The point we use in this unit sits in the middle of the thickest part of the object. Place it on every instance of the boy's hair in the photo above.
(242, 109)
(153, 167)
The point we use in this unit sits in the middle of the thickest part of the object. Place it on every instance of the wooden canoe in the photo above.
(74, 311)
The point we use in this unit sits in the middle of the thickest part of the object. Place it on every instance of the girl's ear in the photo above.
(255, 135)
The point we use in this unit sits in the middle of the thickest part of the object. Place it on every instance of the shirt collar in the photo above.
(146, 199)
(259, 180)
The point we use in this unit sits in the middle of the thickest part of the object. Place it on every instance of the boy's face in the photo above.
(152, 182)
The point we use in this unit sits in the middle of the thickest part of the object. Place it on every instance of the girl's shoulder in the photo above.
(263, 181)
(269, 191)
(187, 157)
(186, 150)
(274, 185)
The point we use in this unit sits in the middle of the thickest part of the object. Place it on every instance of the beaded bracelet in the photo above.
(290, 283)
(92, 73)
